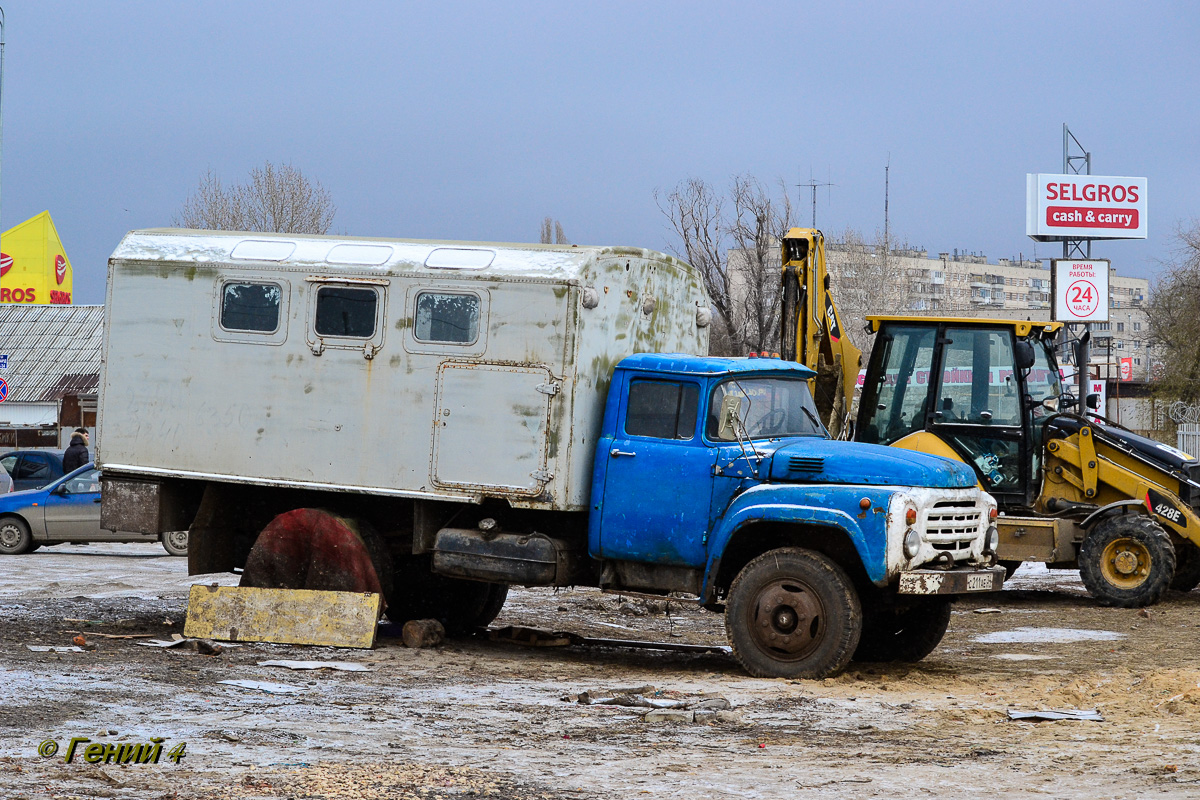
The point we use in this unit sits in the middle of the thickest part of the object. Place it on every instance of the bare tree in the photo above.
(865, 281)
(277, 199)
(1174, 308)
(737, 255)
(552, 232)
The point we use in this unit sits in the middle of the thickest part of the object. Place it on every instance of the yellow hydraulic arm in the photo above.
(812, 331)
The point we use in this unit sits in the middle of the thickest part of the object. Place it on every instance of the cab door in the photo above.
(658, 482)
(977, 408)
(73, 509)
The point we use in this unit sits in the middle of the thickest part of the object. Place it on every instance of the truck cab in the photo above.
(714, 476)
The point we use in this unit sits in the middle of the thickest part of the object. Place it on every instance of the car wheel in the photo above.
(175, 542)
(14, 536)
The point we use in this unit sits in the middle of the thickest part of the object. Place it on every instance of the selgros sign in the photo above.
(1061, 207)
(1080, 289)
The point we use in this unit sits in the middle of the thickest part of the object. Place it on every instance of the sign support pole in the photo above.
(1083, 249)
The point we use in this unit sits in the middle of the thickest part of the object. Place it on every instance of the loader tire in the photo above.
(793, 613)
(1187, 567)
(904, 635)
(1127, 561)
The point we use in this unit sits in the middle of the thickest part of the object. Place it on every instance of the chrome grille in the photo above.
(952, 525)
(806, 463)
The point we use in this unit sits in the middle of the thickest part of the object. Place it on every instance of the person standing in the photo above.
(76, 455)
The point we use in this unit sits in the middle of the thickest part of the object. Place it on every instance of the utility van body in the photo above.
(517, 414)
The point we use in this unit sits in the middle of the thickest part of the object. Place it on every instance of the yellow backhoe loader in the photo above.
(1074, 491)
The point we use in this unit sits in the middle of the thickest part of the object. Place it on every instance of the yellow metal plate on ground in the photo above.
(284, 616)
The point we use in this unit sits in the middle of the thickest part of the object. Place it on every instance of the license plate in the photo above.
(979, 583)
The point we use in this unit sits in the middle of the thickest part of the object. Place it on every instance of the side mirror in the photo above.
(61, 489)
(731, 418)
(1023, 355)
(1067, 401)
(1093, 401)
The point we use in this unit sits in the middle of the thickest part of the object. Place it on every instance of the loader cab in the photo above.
(975, 390)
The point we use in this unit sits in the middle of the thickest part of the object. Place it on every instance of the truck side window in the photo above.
(343, 311)
(662, 409)
(447, 318)
(250, 307)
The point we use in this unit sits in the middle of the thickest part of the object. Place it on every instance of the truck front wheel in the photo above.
(793, 613)
(903, 634)
(1127, 561)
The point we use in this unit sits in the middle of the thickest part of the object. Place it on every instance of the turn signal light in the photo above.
(993, 514)
(910, 516)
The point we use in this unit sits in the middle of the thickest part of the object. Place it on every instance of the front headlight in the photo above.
(991, 540)
(912, 543)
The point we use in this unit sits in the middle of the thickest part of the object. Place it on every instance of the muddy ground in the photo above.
(481, 719)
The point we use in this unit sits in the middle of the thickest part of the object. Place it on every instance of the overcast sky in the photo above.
(475, 121)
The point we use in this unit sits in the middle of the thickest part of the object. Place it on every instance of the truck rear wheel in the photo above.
(460, 605)
(1187, 567)
(793, 613)
(908, 634)
(1127, 561)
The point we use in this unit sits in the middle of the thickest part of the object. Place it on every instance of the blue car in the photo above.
(66, 510)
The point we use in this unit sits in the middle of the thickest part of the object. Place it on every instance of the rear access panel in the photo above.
(491, 427)
(1036, 539)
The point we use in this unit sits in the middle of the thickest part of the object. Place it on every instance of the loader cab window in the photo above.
(251, 307)
(896, 403)
(662, 409)
(346, 312)
(446, 318)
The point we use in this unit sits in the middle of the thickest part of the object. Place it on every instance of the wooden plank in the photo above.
(283, 616)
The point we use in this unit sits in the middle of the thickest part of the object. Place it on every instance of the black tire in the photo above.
(903, 634)
(15, 538)
(793, 613)
(175, 542)
(1127, 561)
(460, 605)
(1187, 567)
(1010, 567)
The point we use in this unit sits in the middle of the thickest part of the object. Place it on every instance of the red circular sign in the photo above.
(5, 263)
(60, 269)
(1082, 298)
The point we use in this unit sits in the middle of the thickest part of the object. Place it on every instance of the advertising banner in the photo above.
(1127, 368)
(1061, 207)
(34, 267)
(1080, 290)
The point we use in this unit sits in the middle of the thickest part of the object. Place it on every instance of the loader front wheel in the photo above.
(1187, 567)
(1127, 561)
(793, 613)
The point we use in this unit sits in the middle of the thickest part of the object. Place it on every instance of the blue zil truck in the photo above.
(494, 415)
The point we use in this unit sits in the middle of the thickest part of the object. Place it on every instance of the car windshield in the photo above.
(770, 408)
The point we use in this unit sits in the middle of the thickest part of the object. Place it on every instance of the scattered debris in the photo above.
(1047, 635)
(117, 635)
(1179, 696)
(423, 633)
(1082, 715)
(530, 637)
(203, 646)
(676, 715)
(1022, 657)
(535, 637)
(265, 686)
(988, 610)
(55, 648)
(343, 666)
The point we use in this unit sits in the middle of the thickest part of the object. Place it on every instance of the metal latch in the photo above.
(318, 347)
(550, 388)
(369, 350)
(542, 475)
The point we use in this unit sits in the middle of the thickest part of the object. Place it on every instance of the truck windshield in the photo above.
(771, 408)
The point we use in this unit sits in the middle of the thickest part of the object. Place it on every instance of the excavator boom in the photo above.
(812, 331)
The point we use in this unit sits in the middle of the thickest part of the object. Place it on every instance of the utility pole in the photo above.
(887, 242)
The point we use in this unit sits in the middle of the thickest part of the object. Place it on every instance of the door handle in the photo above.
(97, 500)
(615, 452)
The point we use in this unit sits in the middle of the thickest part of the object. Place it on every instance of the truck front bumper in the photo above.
(951, 581)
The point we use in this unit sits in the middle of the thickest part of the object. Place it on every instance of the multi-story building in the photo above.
(967, 284)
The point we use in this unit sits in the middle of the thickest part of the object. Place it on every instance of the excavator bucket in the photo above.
(812, 329)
